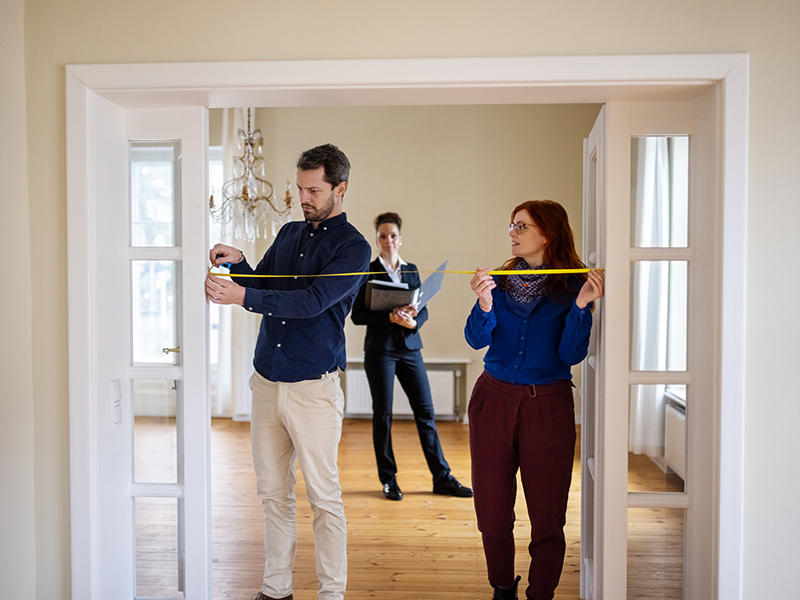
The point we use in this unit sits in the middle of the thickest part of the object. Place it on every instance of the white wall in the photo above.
(17, 523)
(58, 32)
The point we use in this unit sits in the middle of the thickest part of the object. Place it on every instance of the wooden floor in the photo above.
(425, 546)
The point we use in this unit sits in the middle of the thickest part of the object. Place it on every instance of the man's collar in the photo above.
(335, 221)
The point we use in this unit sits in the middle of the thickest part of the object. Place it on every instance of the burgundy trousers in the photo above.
(530, 429)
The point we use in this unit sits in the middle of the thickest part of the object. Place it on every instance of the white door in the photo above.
(604, 374)
(650, 391)
(146, 500)
(591, 388)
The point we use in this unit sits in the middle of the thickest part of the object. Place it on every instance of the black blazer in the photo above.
(382, 334)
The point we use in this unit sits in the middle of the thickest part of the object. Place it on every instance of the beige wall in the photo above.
(453, 173)
(17, 494)
(94, 31)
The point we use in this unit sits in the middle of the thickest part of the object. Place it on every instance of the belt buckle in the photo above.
(532, 391)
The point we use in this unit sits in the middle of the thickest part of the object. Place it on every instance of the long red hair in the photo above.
(552, 221)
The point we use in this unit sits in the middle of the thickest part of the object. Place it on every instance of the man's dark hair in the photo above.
(337, 167)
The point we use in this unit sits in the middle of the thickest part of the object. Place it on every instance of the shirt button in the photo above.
(301, 255)
(324, 229)
(312, 235)
(269, 314)
(279, 345)
(522, 337)
(520, 352)
(283, 322)
(515, 366)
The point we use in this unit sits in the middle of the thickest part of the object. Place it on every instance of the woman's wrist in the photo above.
(485, 308)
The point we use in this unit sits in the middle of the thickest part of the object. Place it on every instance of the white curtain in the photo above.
(659, 190)
(237, 328)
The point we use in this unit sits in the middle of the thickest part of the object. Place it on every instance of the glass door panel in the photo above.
(155, 188)
(657, 438)
(658, 493)
(159, 573)
(155, 301)
(659, 192)
(156, 425)
(655, 553)
(659, 315)
(159, 471)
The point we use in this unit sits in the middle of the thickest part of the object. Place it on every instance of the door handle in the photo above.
(168, 350)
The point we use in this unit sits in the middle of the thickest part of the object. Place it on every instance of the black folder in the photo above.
(388, 295)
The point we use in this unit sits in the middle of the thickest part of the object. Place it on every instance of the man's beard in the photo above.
(317, 215)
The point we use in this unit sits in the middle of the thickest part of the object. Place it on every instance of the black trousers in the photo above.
(381, 368)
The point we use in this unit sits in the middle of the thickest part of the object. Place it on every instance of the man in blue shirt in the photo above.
(297, 399)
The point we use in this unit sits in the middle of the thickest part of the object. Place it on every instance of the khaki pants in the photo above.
(300, 420)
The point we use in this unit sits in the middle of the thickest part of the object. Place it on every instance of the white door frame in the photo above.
(509, 80)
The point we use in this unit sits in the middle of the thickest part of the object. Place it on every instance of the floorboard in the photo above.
(425, 546)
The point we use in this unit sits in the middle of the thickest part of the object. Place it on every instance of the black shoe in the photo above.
(263, 596)
(451, 487)
(392, 491)
(509, 594)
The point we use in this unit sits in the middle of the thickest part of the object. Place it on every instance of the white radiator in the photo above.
(358, 401)
(675, 440)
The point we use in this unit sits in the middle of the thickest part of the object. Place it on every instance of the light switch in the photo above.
(115, 397)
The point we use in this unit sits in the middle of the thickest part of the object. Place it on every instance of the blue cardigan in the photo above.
(530, 343)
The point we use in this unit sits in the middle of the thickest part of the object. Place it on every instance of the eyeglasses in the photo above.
(519, 227)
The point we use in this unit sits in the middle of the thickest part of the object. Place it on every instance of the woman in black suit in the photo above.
(392, 347)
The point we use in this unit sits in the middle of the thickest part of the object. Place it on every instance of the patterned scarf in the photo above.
(526, 288)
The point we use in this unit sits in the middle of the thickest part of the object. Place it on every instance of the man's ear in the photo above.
(340, 189)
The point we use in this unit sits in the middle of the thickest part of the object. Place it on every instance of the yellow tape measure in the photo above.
(499, 272)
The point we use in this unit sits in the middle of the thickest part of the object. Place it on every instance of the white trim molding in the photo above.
(505, 80)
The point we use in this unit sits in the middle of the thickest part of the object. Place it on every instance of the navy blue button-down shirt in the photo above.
(530, 343)
(302, 329)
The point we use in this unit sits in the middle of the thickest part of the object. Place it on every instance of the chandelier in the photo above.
(248, 200)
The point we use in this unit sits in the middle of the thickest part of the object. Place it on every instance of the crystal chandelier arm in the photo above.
(248, 203)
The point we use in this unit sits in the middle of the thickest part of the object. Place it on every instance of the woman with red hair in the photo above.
(521, 413)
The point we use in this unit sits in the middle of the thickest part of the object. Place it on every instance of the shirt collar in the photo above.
(336, 221)
(400, 263)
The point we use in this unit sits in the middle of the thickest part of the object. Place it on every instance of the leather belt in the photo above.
(323, 375)
(532, 390)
